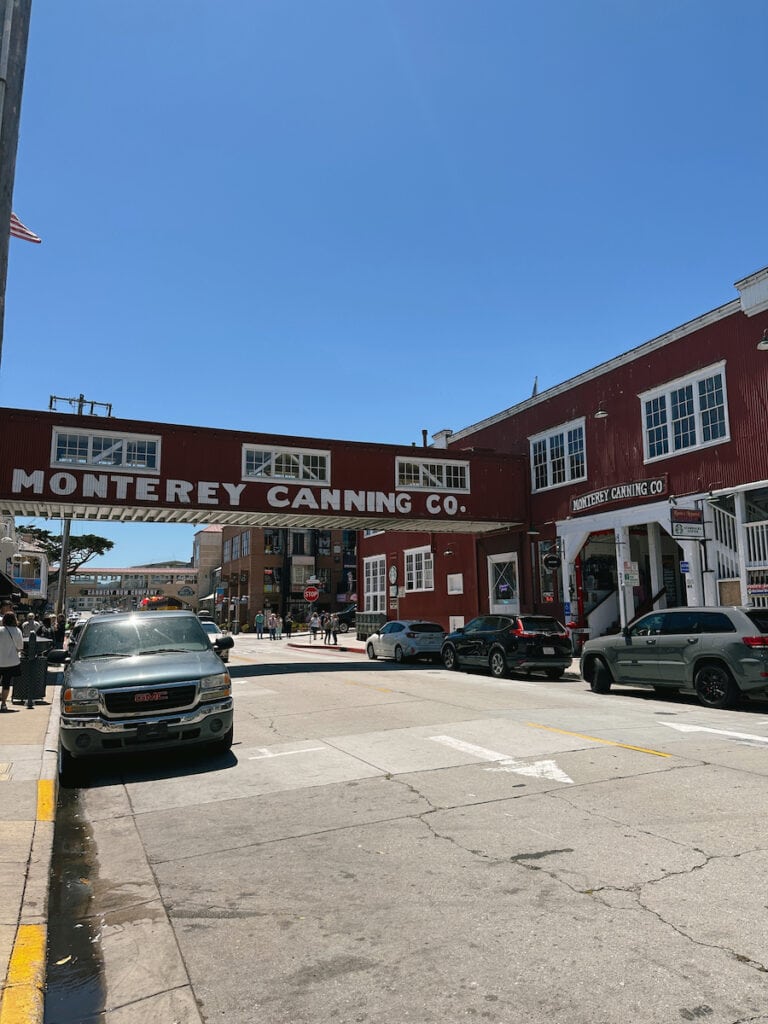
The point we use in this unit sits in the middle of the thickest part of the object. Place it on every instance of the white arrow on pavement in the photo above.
(538, 769)
(682, 727)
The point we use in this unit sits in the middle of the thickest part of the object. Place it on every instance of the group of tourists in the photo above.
(12, 637)
(274, 625)
(328, 624)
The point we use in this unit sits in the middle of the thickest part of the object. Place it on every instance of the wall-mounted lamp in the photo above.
(601, 414)
(532, 533)
(762, 345)
(448, 552)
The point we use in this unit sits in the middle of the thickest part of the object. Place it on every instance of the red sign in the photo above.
(311, 594)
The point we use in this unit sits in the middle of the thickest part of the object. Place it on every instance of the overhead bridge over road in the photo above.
(68, 466)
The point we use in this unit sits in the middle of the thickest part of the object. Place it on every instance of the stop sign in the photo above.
(311, 594)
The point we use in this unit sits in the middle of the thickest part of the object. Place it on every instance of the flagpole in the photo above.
(14, 29)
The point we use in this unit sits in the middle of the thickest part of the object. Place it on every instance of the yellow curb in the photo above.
(46, 800)
(22, 999)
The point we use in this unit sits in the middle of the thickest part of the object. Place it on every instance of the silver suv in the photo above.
(719, 653)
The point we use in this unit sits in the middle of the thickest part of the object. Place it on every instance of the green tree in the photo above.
(82, 548)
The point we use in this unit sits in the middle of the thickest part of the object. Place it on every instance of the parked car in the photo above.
(138, 682)
(214, 635)
(347, 618)
(402, 639)
(510, 643)
(718, 653)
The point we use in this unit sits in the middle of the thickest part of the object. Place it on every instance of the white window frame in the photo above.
(419, 569)
(422, 476)
(665, 390)
(270, 470)
(90, 461)
(547, 437)
(375, 583)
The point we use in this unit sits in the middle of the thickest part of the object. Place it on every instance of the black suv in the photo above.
(347, 618)
(510, 643)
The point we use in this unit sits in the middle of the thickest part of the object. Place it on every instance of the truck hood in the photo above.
(143, 670)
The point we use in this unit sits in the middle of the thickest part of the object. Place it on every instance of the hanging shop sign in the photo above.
(687, 523)
(635, 489)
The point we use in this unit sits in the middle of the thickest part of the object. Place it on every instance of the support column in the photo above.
(656, 566)
(621, 537)
(740, 507)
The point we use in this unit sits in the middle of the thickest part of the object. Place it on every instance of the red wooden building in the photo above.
(646, 486)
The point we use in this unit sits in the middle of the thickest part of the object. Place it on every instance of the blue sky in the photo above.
(361, 218)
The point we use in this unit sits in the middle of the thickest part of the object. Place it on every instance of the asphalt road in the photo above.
(389, 845)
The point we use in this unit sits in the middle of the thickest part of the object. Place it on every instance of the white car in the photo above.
(214, 634)
(402, 639)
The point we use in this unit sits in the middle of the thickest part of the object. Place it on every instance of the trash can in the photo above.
(31, 684)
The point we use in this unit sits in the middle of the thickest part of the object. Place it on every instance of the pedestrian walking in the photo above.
(314, 625)
(326, 628)
(272, 624)
(288, 623)
(59, 631)
(335, 629)
(279, 626)
(259, 624)
(11, 646)
(31, 625)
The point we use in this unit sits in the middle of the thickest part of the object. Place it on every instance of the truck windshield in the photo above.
(141, 634)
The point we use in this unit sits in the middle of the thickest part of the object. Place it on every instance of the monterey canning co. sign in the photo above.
(74, 466)
(643, 490)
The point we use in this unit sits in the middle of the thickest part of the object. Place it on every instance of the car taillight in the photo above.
(756, 641)
(519, 631)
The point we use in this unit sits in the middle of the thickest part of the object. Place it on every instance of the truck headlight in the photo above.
(81, 699)
(216, 686)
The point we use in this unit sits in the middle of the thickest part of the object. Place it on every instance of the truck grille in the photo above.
(150, 700)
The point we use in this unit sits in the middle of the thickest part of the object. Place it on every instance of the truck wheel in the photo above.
(223, 745)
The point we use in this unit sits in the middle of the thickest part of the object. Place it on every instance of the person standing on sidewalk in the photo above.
(279, 626)
(259, 624)
(314, 625)
(11, 646)
(335, 629)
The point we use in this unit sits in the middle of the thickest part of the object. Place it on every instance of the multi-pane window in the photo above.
(432, 475)
(273, 579)
(419, 569)
(235, 547)
(558, 456)
(686, 414)
(375, 584)
(128, 451)
(245, 544)
(304, 466)
(226, 554)
(273, 542)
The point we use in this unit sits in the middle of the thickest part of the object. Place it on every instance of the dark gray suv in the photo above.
(719, 653)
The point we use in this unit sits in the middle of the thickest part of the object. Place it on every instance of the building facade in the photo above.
(647, 487)
(269, 569)
(103, 589)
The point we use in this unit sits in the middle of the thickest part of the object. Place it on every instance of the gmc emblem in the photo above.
(140, 698)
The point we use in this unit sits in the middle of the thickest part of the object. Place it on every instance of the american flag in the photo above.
(19, 231)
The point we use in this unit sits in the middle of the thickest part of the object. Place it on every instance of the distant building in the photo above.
(102, 589)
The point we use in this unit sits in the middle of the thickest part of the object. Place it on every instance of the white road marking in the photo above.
(682, 727)
(538, 769)
(283, 753)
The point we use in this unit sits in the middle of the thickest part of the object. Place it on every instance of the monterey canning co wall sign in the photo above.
(89, 467)
(642, 490)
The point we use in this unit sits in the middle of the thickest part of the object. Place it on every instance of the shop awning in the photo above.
(9, 586)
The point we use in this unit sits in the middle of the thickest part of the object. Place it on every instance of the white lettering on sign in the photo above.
(345, 501)
(117, 487)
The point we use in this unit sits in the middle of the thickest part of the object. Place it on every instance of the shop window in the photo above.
(375, 584)
(419, 569)
(558, 456)
(273, 578)
(273, 542)
(685, 414)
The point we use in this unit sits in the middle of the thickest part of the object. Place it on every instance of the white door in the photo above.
(503, 593)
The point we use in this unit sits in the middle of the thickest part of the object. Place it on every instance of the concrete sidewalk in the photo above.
(28, 792)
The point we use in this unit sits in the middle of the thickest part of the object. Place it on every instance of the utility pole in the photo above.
(61, 596)
(14, 32)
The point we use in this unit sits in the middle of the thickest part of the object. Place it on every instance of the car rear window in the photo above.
(541, 624)
(426, 627)
(760, 618)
